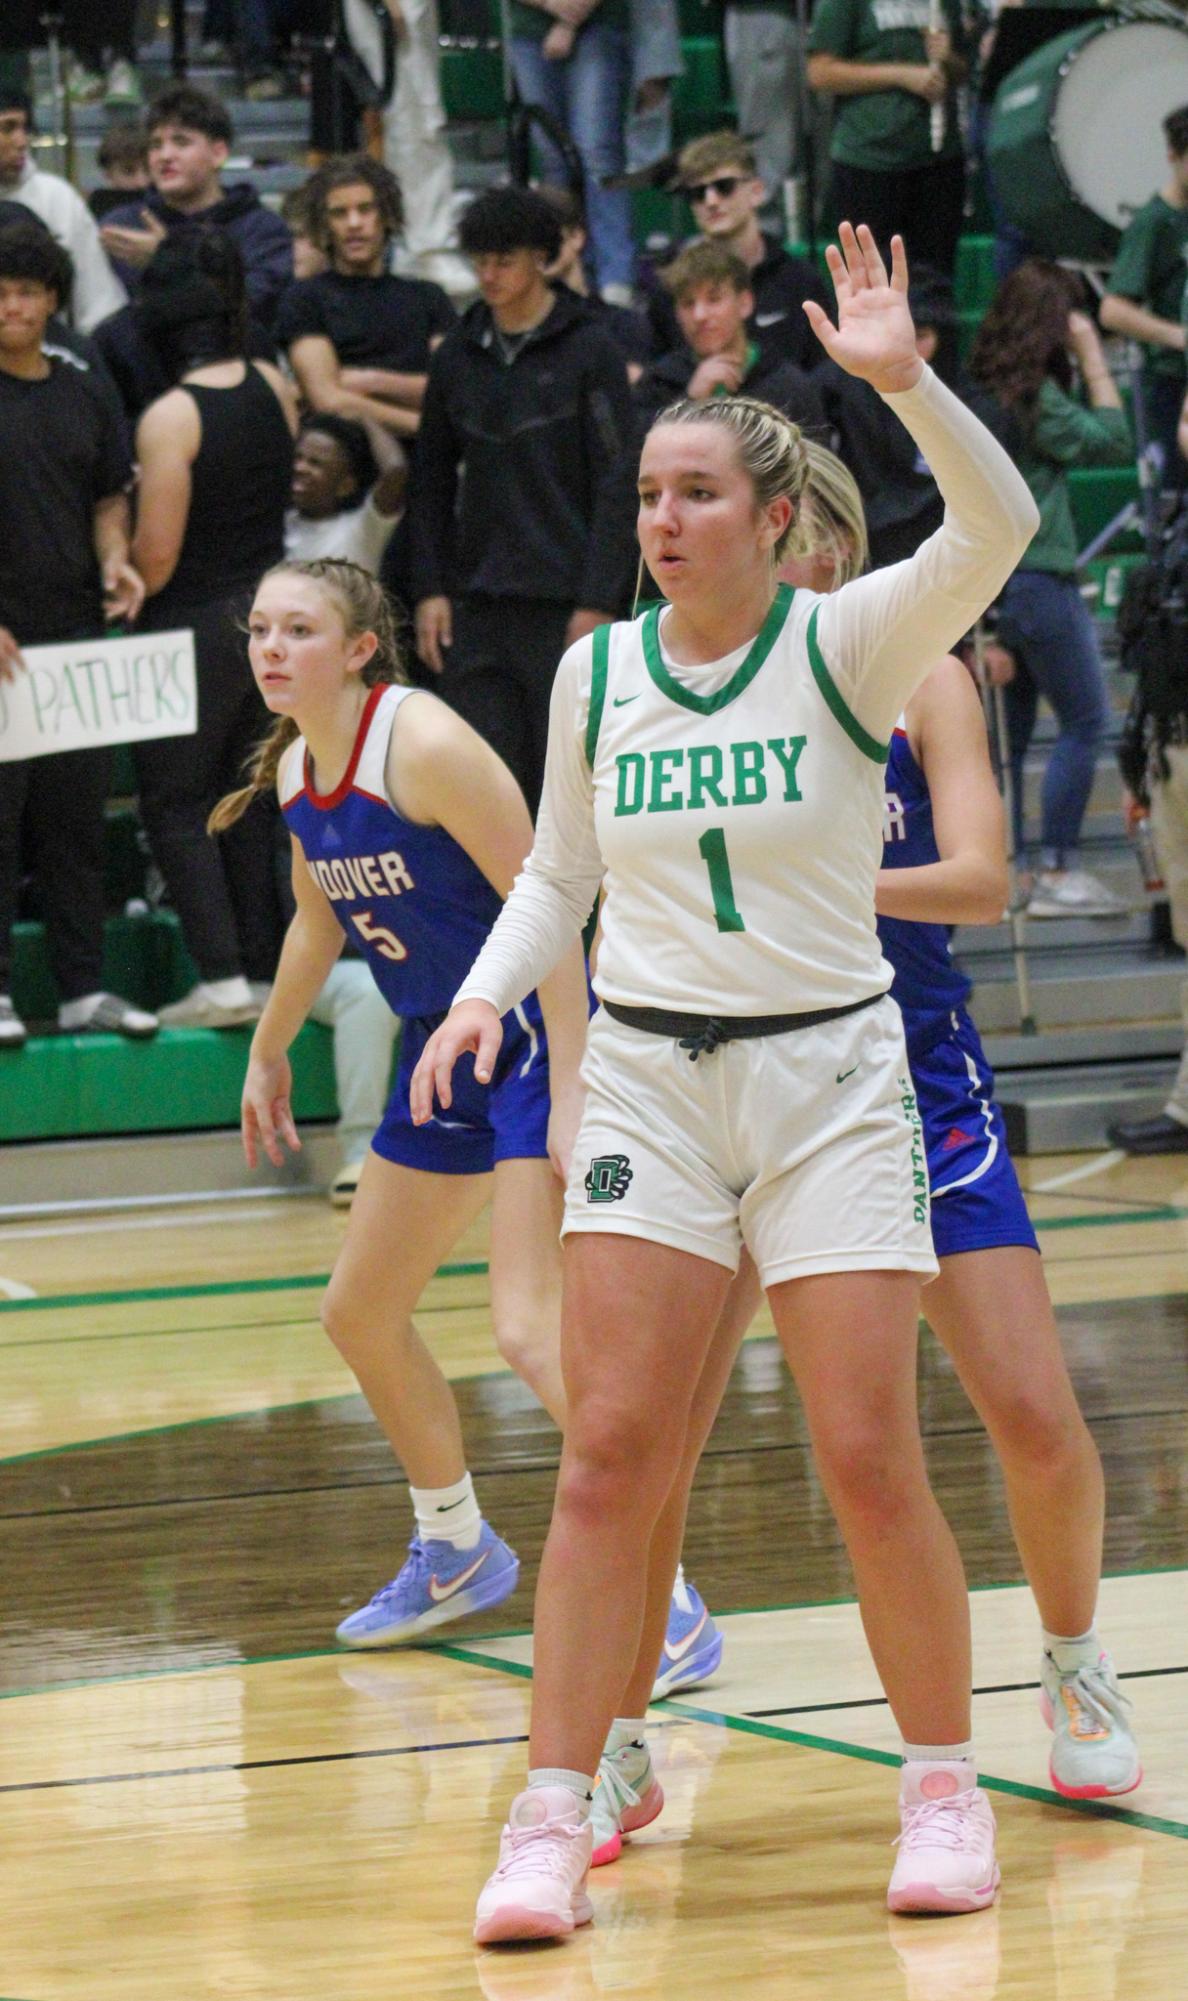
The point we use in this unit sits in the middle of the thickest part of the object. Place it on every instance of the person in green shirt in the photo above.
(888, 69)
(573, 58)
(1145, 300)
(1022, 371)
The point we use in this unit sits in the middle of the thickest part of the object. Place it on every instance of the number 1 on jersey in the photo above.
(712, 849)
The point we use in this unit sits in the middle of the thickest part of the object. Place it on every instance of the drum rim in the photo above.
(1090, 30)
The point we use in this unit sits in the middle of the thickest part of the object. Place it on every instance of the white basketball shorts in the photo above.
(806, 1147)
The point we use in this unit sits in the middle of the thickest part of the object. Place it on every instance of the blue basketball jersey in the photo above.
(409, 897)
(927, 985)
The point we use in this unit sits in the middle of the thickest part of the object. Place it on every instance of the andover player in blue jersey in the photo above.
(407, 833)
(944, 864)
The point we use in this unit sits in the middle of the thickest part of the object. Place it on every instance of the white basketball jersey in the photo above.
(741, 830)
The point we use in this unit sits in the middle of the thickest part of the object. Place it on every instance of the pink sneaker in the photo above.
(946, 1842)
(539, 1887)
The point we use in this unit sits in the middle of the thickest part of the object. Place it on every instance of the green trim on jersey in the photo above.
(744, 673)
(597, 690)
(869, 745)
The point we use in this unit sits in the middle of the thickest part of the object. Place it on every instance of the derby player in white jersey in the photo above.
(718, 766)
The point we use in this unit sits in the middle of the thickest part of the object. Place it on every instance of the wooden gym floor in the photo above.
(203, 1797)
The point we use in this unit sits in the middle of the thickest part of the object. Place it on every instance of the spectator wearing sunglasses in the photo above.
(718, 177)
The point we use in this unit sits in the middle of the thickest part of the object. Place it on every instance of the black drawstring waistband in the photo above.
(701, 1034)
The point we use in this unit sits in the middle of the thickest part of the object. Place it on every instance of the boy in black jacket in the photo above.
(522, 507)
(711, 289)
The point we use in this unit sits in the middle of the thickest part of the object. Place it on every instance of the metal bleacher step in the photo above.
(1079, 987)
(1067, 1108)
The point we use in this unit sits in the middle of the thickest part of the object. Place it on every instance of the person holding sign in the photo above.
(64, 477)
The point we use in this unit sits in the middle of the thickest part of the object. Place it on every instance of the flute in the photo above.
(937, 111)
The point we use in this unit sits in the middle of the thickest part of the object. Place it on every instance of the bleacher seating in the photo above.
(63, 1085)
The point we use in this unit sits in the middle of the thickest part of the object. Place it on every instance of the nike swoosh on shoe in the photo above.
(682, 1647)
(440, 1592)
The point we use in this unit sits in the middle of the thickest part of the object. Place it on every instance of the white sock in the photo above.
(448, 1514)
(938, 1754)
(580, 1784)
(680, 1590)
(1071, 1653)
(627, 1735)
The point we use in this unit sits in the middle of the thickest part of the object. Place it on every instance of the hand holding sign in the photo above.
(123, 592)
(10, 655)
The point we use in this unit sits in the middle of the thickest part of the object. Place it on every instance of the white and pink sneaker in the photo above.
(539, 1888)
(946, 1842)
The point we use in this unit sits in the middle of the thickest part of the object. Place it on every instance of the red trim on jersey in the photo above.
(325, 800)
(899, 732)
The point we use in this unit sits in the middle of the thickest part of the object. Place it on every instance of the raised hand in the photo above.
(874, 338)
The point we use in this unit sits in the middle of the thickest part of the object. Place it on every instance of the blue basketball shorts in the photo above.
(507, 1119)
(977, 1203)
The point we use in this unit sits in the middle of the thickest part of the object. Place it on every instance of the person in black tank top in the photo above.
(216, 457)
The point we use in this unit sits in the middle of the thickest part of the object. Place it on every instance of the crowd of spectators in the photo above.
(198, 383)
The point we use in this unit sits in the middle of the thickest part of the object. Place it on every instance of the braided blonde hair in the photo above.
(769, 445)
(363, 606)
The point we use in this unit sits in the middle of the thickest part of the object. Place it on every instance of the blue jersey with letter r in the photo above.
(927, 984)
(419, 909)
(977, 1203)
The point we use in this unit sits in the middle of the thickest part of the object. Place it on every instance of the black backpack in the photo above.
(1153, 624)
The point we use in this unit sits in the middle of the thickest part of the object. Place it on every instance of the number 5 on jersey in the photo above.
(712, 849)
(386, 943)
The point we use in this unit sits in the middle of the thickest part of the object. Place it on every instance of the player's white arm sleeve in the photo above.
(880, 635)
(554, 892)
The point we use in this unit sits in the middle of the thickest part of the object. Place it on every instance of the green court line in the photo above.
(215, 1289)
(751, 1727)
(177, 1424)
(457, 1652)
(222, 1288)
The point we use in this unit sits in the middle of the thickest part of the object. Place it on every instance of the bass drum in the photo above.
(1075, 145)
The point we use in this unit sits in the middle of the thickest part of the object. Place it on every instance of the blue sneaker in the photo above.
(692, 1644)
(438, 1583)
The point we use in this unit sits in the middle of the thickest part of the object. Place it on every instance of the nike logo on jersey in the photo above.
(769, 319)
(678, 1651)
(843, 1074)
(440, 1592)
(621, 701)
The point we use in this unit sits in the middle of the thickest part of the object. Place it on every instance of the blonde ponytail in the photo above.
(363, 606)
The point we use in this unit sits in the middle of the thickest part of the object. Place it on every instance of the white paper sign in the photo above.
(88, 692)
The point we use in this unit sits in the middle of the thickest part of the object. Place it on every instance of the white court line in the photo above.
(10, 1233)
(1097, 1165)
(12, 1288)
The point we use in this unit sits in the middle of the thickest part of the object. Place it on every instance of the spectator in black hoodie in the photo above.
(189, 139)
(711, 290)
(521, 512)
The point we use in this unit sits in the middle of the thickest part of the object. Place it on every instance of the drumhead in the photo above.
(1115, 91)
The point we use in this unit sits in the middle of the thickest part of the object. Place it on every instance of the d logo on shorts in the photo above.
(609, 1178)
